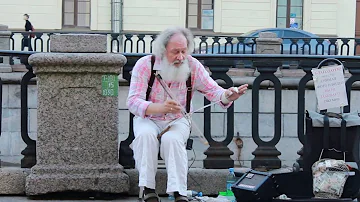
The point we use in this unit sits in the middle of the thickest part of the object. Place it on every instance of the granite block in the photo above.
(243, 125)
(5, 96)
(16, 143)
(78, 43)
(77, 135)
(11, 120)
(267, 43)
(80, 178)
(289, 101)
(267, 35)
(71, 63)
(290, 127)
(14, 96)
(32, 114)
(5, 146)
(288, 146)
(217, 125)
(123, 94)
(13, 180)
(32, 96)
(124, 120)
(4, 27)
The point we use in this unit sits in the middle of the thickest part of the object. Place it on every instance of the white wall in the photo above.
(322, 17)
(47, 14)
(234, 16)
(44, 14)
(346, 16)
(100, 15)
(330, 17)
(153, 15)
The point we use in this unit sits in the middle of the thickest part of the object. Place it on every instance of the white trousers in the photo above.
(172, 150)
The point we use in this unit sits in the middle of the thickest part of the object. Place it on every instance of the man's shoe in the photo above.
(181, 199)
(150, 195)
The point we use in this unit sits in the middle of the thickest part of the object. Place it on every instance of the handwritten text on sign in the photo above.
(110, 85)
(330, 87)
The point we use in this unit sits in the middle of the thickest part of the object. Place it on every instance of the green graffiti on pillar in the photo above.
(110, 85)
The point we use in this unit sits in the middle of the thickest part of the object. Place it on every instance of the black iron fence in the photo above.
(266, 154)
(142, 43)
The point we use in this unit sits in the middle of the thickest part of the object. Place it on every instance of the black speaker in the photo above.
(255, 186)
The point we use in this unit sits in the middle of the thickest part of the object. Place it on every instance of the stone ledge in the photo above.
(198, 179)
(89, 61)
(13, 180)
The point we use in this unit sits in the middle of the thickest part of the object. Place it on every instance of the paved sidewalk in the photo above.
(23, 198)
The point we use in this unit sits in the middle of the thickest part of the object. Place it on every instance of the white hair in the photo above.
(163, 38)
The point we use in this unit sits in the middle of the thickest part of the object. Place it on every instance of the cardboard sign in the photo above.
(110, 85)
(330, 87)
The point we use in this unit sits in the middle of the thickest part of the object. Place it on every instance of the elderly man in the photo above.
(154, 110)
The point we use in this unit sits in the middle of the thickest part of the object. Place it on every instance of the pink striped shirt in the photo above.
(140, 76)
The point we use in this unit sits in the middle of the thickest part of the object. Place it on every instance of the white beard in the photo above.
(171, 73)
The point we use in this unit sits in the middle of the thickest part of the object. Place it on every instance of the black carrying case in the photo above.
(255, 186)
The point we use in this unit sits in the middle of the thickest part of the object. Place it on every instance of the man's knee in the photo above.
(146, 142)
(149, 135)
(171, 138)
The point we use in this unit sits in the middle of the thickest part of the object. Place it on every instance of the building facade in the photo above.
(322, 17)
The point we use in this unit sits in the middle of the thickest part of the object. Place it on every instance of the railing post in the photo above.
(218, 154)
(306, 66)
(266, 154)
(29, 153)
(77, 139)
(5, 45)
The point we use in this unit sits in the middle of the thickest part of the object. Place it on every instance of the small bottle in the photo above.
(171, 197)
(191, 193)
(230, 180)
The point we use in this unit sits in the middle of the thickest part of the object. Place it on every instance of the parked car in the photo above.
(287, 34)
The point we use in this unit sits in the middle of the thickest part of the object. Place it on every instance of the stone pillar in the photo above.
(5, 45)
(268, 43)
(77, 137)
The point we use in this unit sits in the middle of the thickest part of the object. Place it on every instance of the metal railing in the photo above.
(142, 43)
(218, 154)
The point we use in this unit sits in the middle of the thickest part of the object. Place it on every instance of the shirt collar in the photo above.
(157, 64)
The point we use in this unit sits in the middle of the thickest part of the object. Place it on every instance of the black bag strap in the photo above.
(327, 129)
(343, 135)
(152, 78)
(188, 94)
(326, 132)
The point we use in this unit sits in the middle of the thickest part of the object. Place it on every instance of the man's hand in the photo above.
(234, 93)
(170, 106)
